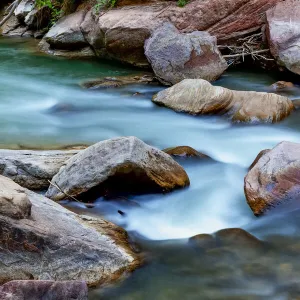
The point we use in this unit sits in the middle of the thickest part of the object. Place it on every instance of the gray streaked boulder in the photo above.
(54, 243)
(175, 56)
(119, 165)
(32, 169)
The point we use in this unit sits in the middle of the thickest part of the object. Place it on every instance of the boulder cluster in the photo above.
(41, 240)
(176, 42)
(45, 247)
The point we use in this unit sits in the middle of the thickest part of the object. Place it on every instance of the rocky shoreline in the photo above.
(45, 247)
(144, 35)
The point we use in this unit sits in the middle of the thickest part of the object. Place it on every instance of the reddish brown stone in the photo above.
(283, 33)
(274, 178)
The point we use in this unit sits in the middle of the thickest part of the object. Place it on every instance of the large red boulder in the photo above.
(226, 19)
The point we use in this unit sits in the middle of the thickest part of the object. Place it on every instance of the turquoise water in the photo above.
(42, 105)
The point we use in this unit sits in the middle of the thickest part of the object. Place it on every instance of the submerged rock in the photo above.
(33, 169)
(237, 238)
(203, 241)
(81, 53)
(53, 243)
(232, 244)
(175, 56)
(118, 81)
(120, 165)
(199, 97)
(282, 85)
(274, 179)
(184, 151)
(283, 32)
(44, 289)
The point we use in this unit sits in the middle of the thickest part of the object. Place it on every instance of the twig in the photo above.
(9, 7)
(265, 58)
(247, 38)
(245, 54)
(69, 196)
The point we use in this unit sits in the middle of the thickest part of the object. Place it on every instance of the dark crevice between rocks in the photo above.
(127, 180)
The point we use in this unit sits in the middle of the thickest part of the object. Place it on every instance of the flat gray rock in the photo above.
(32, 169)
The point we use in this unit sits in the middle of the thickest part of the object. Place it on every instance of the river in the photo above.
(43, 106)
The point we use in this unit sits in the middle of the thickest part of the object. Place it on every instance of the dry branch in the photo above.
(244, 54)
(246, 46)
(67, 195)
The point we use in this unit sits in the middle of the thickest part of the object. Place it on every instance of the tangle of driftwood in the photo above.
(247, 46)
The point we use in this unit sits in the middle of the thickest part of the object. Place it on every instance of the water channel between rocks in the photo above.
(43, 106)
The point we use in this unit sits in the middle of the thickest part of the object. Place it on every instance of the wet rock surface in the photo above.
(282, 85)
(185, 151)
(274, 178)
(199, 97)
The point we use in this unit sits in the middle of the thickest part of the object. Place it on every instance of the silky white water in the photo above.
(43, 106)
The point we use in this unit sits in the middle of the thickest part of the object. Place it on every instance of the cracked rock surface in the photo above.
(52, 243)
(32, 169)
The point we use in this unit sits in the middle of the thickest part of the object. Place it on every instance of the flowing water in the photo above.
(43, 106)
